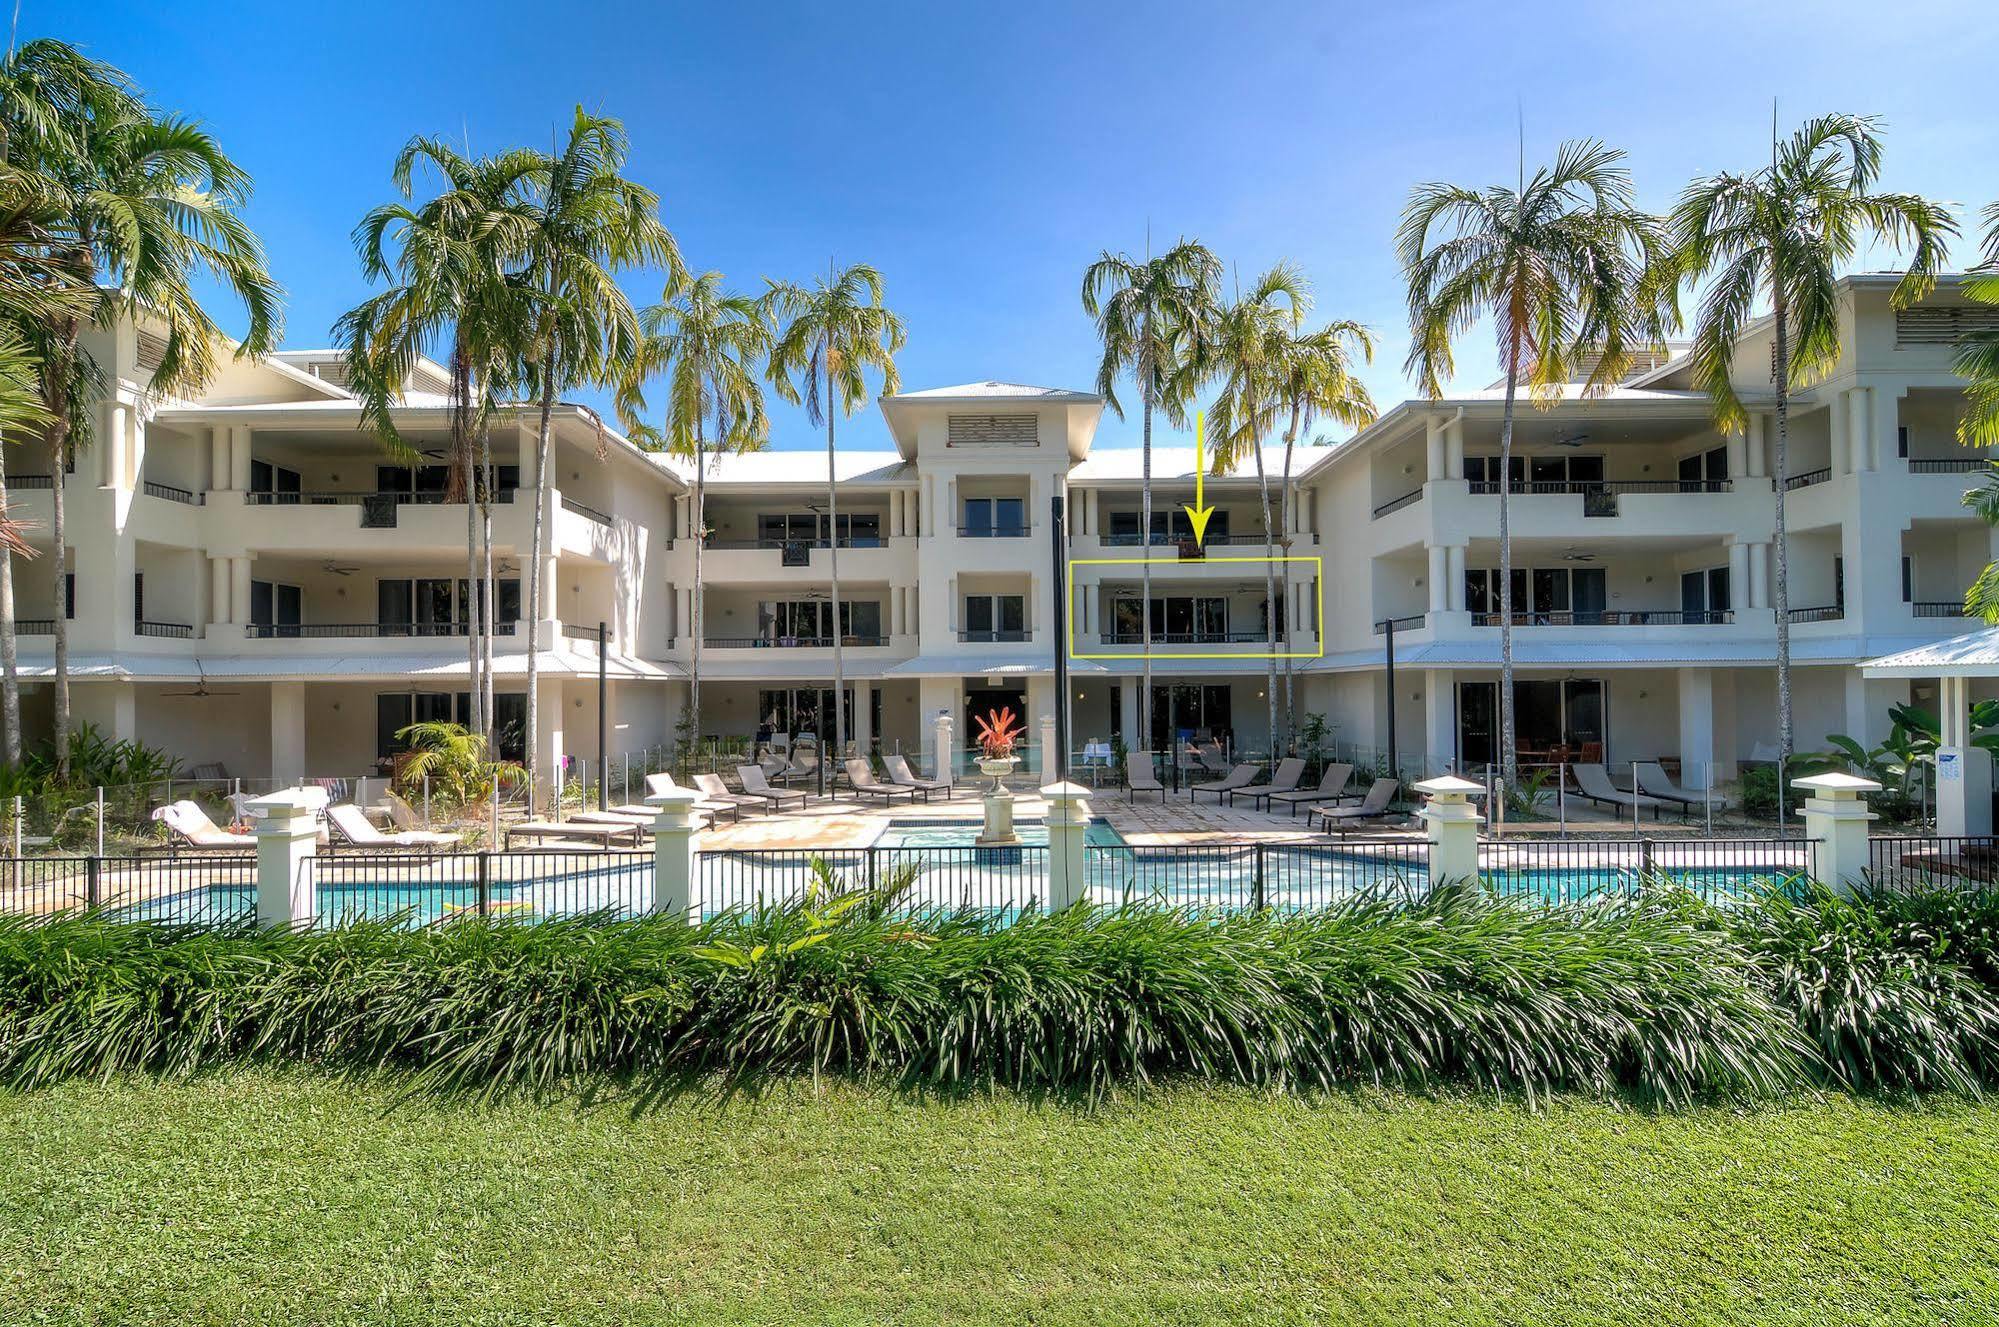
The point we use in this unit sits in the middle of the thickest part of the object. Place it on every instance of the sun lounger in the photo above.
(1653, 781)
(1139, 778)
(757, 786)
(1289, 771)
(573, 830)
(901, 775)
(660, 784)
(194, 827)
(359, 832)
(1332, 789)
(1372, 807)
(1239, 777)
(1593, 782)
(716, 793)
(863, 781)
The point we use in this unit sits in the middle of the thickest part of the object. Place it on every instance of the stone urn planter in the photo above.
(997, 768)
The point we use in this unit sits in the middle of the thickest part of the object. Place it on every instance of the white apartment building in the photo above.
(253, 582)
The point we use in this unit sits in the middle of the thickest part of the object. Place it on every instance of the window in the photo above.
(268, 478)
(276, 606)
(422, 483)
(793, 711)
(995, 518)
(810, 621)
(1543, 595)
(995, 617)
(1545, 474)
(438, 605)
(1902, 441)
(1908, 581)
(396, 711)
(1179, 619)
(69, 595)
(1704, 595)
(1168, 527)
(1193, 711)
(1704, 471)
(809, 529)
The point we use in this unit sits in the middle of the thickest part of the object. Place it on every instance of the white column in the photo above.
(1738, 456)
(218, 457)
(239, 460)
(239, 590)
(943, 747)
(1433, 447)
(1759, 574)
(1068, 822)
(1454, 450)
(287, 732)
(1696, 726)
(1964, 772)
(1049, 765)
(675, 878)
(1754, 456)
(218, 590)
(864, 715)
(1738, 574)
(1452, 822)
(1127, 708)
(287, 837)
(1837, 418)
(1455, 575)
(1440, 578)
(1836, 820)
(551, 719)
(1440, 719)
(1859, 428)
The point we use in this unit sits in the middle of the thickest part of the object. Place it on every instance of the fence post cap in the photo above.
(283, 804)
(1064, 792)
(1449, 788)
(1837, 785)
(676, 799)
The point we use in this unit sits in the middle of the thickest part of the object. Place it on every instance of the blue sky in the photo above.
(981, 156)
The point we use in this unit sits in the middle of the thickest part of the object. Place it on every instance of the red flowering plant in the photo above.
(999, 734)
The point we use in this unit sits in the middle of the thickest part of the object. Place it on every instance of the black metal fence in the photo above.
(195, 890)
(533, 886)
(1917, 862)
(1571, 870)
(1000, 879)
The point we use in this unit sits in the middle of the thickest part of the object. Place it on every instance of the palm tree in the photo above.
(143, 203)
(1781, 234)
(1315, 376)
(1559, 263)
(1152, 317)
(449, 287)
(1978, 361)
(21, 409)
(588, 222)
(710, 345)
(840, 331)
(1249, 337)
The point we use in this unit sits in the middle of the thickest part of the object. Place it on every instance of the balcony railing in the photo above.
(1950, 465)
(34, 626)
(30, 481)
(1397, 504)
(790, 642)
(1178, 540)
(166, 630)
(1636, 617)
(992, 637)
(1605, 487)
(330, 630)
(586, 512)
(846, 541)
(1807, 479)
(1189, 637)
(345, 498)
(171, 494)
(1826, 613)
(1938, 608)
(993, 531)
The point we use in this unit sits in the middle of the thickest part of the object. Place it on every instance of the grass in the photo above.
(259, 1196)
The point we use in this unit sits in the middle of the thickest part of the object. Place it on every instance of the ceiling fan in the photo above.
(201, 691)
(334, 569)
(1572, 439)
(1574, 554)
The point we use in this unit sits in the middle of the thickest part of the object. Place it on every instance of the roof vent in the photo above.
(993, 431)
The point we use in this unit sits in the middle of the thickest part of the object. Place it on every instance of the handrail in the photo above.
(168, 630)
(326, 497)
(1939, 608)
(846, 541)
(1189, 637)
(1612, 487)
(1397, 504)
(993, 637)
(994, 531)
(1638, 617)
(1808, 478)
(1401, 623)
(379, 630)
(1824, 613)
(34, 626)
(1948, 465)
(587, 512)
(31, 481)
(170, 493)
(789, 642)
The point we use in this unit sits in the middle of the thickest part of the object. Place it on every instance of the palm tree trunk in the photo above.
(535, 541)
(55, 395)
(1509, 763)
(1782, 574)
(1272, 606)
(833, 571)
(700, 539)
(461, 456)
(1145, 580)
(1284, 576)
(10, 677)
(490, 593)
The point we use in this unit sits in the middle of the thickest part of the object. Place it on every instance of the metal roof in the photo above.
(1974, 654)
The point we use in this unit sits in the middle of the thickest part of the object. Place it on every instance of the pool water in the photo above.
(1099, 833)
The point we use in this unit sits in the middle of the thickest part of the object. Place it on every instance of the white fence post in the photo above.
(943, 756)
(675, 883)
(1068, 826)
(1453, 825)
(1836, 819)
(287, 838)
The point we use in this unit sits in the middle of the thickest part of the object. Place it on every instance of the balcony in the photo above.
(993, 531)
(1807, 479)
(994, 637)
(791, 642)
(587, 513)
(1825, 613)
(1639, 617)
(187, 497)
(164, 630)
(1257, 637)
(1938, 608)
(360, 498)
(366, 630)
(1949, 465)
(1184, 545)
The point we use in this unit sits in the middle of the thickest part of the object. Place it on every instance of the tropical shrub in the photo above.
(456, 763)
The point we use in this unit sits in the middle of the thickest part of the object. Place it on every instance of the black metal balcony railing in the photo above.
(1825, 613)
(1938, 607)
(1190, 637)
(329, 630)
(171, 494)
(168, 630)
(1397, 504)
(1636, 617)
(344, 498)
(1182, 540)
(586, 512)
(993, 532)
(1807, 479)
(1952, 465)
(846, 541)
(790, 642)
(1602, 487)
(31, 481)
(34, 626)
(992, 637)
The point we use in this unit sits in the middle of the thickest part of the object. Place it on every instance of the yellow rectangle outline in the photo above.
(1317, 560)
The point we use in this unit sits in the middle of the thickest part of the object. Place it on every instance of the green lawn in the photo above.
(262, 1198)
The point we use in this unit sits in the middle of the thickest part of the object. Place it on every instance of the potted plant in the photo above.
(999, 743)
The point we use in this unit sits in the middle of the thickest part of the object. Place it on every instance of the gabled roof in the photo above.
(1000, 391)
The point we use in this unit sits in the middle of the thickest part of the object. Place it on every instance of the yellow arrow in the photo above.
(1198, 514)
